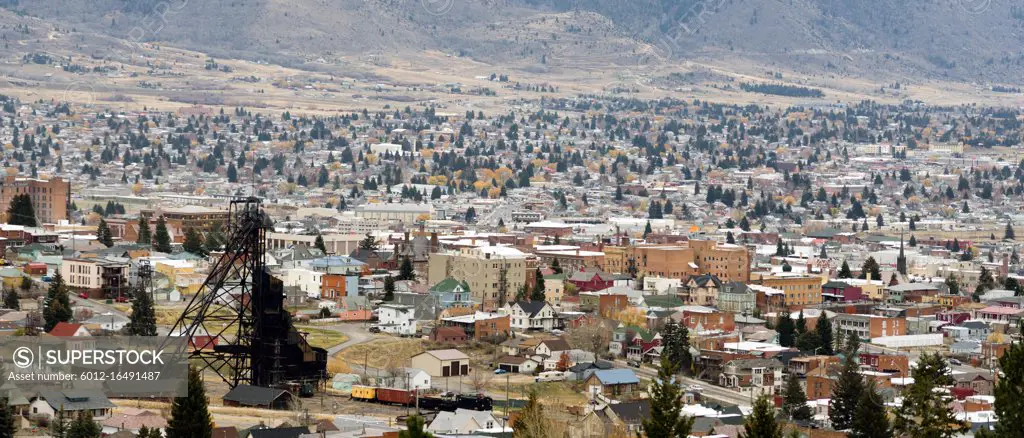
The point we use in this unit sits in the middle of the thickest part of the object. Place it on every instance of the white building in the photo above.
(306, 280)
(397, 318)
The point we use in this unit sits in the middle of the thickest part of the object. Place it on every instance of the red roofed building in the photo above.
(65, 329)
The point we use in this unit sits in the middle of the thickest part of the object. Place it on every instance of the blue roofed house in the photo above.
(450, 293)
(612, 383)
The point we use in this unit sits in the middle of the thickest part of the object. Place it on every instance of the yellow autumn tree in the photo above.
(632, 316)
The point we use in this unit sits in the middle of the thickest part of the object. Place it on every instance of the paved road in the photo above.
(356, 333)
(710, 391)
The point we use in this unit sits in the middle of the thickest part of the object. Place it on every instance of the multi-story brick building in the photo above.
(869, 326)
(50, 198)
(681, 260)
(800, 290)
(482, 268)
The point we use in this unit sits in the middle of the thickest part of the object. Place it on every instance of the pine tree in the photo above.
(406, 271)
(319, 244)
(11, 300)
(824, 330)
(103, 234)
(142, 321)
(913, 241)
(1009, 392)
(84, 426)
(7, 425)
(1009, 234)
(852, 346)
(761, 423)
(801, 323)
(870, 270)
(389, 288)
(538, 289)
(786, 330)
(162, 238)
(925, 412)
(869, 418)
(59, 424)
(145, 237)
(21, 212)
(676, 343)
(844, 271)
(647, 229)
(666, 405)
(531, 421)
(845, 395)
(194, 242)
(795, 402)
(190, 416)
(57, 305)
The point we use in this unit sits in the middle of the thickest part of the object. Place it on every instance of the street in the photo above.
(710, 391)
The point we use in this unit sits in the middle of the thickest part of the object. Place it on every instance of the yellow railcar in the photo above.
(364, 392)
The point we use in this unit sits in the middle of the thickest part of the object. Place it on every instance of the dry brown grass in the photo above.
(383, 352)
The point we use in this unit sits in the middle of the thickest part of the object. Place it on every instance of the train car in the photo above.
(474, 402)
(364, 393)
(396, 396)
(437, 404)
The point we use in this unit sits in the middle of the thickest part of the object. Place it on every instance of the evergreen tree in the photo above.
(11, 300)
(161, 238)
(870, 270)
(103, 234)
(190, 416)
(1008, 233)
(869, 417)
(786, 330)
(844, 271)
(801, 323)
(57, 304)
(794, 402)
(389, 288)
(647, 229)
(145, 237)
(406, 271)
(531, 421)
(913, 241)
(1009, 392)
(852, 346)
(84, 426)
(675, 339)
(59, 424)
(761, 423)
(21, 212)
(319, 244)
(824, 330)
(925, 412)
(142, 321)
(538, 289)
(845, 395)
(666, 419)
(194, 242)
(7, 425)
(414, 428)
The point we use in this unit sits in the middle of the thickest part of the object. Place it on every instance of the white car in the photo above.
(695, 388)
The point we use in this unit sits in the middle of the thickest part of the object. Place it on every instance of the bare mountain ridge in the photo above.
(968, 40)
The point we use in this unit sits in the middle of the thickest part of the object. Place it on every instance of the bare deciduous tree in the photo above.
(592, 336)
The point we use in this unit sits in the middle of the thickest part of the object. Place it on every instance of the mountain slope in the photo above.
(970, 40)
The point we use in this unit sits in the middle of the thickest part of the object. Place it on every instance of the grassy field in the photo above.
(322, 338)
(382, 352)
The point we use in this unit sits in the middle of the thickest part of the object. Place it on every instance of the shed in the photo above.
(258, 396)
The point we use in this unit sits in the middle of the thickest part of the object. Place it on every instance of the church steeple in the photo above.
(901, 260)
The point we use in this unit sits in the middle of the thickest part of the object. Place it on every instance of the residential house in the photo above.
(972, 330)
(481, 325)
(980, 383)
(591, 280)
(752, 376)
(448, 335)
(736, 297)
(839, 291)
(46, 403)
(452, 293)
(531, 315)
(612, 383)
(133, 419)
(462, 422)
(702, 290)
(397, 319)
(554, 289)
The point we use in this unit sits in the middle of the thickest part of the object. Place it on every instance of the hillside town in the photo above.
(575, 268)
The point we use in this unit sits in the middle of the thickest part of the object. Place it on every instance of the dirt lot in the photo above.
(383, 352)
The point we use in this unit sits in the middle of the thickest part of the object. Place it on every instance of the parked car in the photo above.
(83, 295)
(695, 388)
(374, 329)
(633, 363)
(121, 299)
(550, 376)
(955, 362)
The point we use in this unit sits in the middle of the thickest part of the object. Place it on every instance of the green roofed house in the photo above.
(663, 301)
(450, 293)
